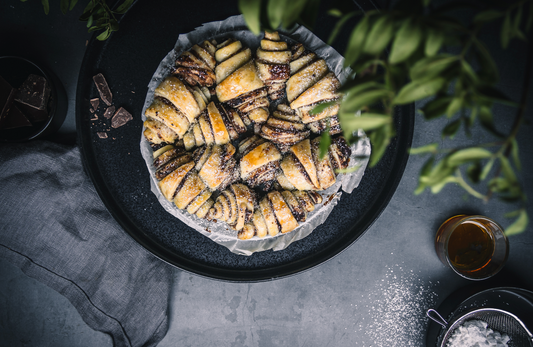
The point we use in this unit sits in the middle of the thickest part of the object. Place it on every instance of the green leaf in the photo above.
(251, 10)
(321, 107)
(292, 12)
(486, 169)
(507, 170)
(90, 22)
(487, 16)
(64, 6)
(468, 154)
(436, 188)
(335, 12)
(275, 10)
(451, 129)
(517, 20)
(379, 36)
(468, 72)
(436, 107)
(104, 36)
(113, 25)
(515, 155)
(438, 173)
(88, 11)
(380, 140)
(488, 70)
(309, 13)
(406, 42)
(338, 26)
(512, 214)
(46, 6)
(432, 66)
(354, 102)
(367, 121)
(485, 118)
(325, 142)
(357, 40)
(420, 89)
(519, 225)
(431, 148)
(434, 41)
(424, 172)
(494, 94)
(359, 84)
(506, 32)
(72, 4)
(455, 105)
(124, 7)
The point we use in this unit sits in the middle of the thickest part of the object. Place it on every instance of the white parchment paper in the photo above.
(220, 232)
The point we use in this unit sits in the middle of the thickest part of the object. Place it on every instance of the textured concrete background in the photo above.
(375, 293)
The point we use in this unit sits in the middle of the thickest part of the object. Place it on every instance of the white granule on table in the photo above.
(476, 333)
(398, 310)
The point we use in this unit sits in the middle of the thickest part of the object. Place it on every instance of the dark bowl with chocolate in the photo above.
(33, 102)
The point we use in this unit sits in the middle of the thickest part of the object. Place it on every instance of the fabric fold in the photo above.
(54, 227)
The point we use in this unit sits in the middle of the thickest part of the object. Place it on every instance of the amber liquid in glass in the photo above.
(470, 246)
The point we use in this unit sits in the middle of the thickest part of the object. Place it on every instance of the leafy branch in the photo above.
(98, 15)
(415, 51)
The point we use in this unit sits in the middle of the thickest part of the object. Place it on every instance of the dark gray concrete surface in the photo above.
(375, 293)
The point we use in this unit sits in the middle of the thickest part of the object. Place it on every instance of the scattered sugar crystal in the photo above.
(476, 333)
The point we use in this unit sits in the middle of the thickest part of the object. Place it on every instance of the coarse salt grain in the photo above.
(476, 333)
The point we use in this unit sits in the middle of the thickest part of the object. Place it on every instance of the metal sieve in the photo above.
(498, 320)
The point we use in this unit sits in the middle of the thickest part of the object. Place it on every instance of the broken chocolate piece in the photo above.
(103, 89)
(7, 95)
(94, 104)
(120, 118)
(34, 92)
(109, 112)
(33, 114)
(15, 119)
(102, 134)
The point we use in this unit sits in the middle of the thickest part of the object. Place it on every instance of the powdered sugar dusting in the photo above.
(398, 309)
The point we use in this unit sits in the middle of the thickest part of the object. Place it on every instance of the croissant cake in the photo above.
(189, 180)
(219, 125)
(197, 65)
(259, 162)
(280, 211)
(284, 128)
(273, 58)
(234, 206)
(302, 168)
(238, 82)
(310, 84)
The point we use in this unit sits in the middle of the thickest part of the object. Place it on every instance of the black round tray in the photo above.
(128, 60)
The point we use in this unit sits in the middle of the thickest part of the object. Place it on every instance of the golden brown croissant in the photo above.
(234, 206)
(302, 168)
(238, 82)
(197, 65)
(189, 180)
(284, 128)
(259, 162)
(219, 125)
(273, 58)
(310, 84)
(280, 211)
(175, 106)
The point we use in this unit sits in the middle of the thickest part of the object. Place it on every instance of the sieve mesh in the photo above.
(499, 320)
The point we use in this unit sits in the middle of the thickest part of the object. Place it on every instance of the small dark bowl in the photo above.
(15, 70)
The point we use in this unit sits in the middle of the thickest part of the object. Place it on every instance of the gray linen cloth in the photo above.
(54, 226)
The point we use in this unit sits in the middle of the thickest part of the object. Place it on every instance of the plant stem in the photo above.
(460, 180)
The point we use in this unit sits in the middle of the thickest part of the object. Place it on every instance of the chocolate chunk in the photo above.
(7, 95)
(34, 92)
(94, 104)
(103, 89)
(102, 134)
(109, 112)
(34, 115)
(15, 119)
(120, 118)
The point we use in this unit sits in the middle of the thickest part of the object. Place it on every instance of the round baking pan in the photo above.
(128, 60)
